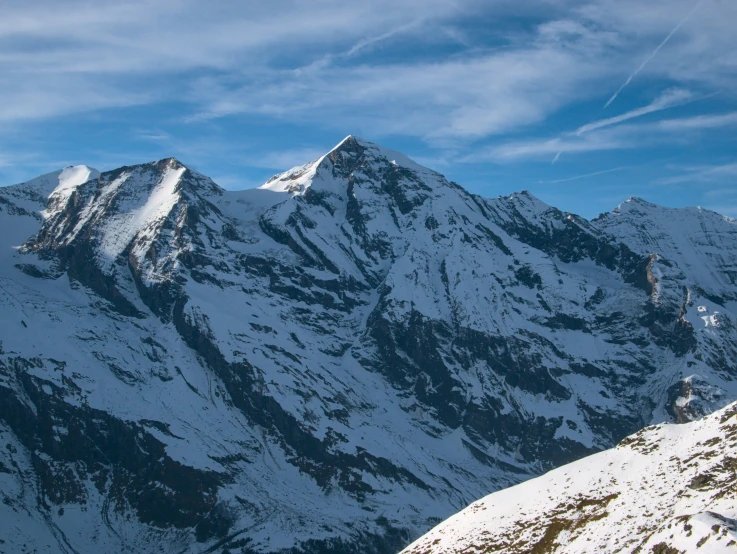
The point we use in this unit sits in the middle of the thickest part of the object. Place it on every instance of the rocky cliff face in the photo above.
(669, 489)
(333, 362)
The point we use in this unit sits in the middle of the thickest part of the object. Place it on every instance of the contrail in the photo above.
(389, 34)
(654, 53)
(594, 174)
(669, 99)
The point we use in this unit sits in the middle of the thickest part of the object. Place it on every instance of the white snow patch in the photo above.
(122, 228)
(711, 320)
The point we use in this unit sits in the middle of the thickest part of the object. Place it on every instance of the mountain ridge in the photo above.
(347, 140)
(370, 337)
(688, 504)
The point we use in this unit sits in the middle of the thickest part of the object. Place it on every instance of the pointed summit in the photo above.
(350, 155)
(633, 201)
(351, 141)
(354, 147)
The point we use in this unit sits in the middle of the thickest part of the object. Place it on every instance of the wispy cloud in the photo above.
(463, 97)
(721, 192)
(281, 160)
(601, 135)
(317, 66)
(701, 51)
(653, 53)
(669, 99)
(147, 51)
(705, 174)
(153, 135)
(626, 136)
(361, 46)
(699, 122)
(542, 148)
(247, 58)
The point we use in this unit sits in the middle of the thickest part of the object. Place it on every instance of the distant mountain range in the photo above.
(334, 362)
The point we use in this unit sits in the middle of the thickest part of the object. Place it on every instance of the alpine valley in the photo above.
(336, 361)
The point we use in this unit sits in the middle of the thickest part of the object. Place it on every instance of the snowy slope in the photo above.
(668, 488)
(21, 205)
(697, 239)
(333, 362)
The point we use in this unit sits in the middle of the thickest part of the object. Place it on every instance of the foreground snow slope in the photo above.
(334, 362)
(668, 489)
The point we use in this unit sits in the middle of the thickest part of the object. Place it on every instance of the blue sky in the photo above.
(498, 95)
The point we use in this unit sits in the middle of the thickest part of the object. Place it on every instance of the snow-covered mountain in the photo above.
(334, 362)
(669, 489)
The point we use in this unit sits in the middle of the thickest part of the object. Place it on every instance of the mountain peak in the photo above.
(349, 155)
(638, 201)
(525, 202)
(525, 195)
(354, 146)
(120, 209)
(158, 170)
(640, 207)
(634, 203)
(351, 141)
(158, 166)
(169, 163)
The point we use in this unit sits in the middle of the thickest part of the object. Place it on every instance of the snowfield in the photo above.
(666, 489)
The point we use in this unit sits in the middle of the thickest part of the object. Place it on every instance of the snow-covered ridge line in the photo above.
(295, 179)
(665, 489)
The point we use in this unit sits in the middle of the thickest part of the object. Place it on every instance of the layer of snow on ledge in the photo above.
(72, 177)
(68, 180)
